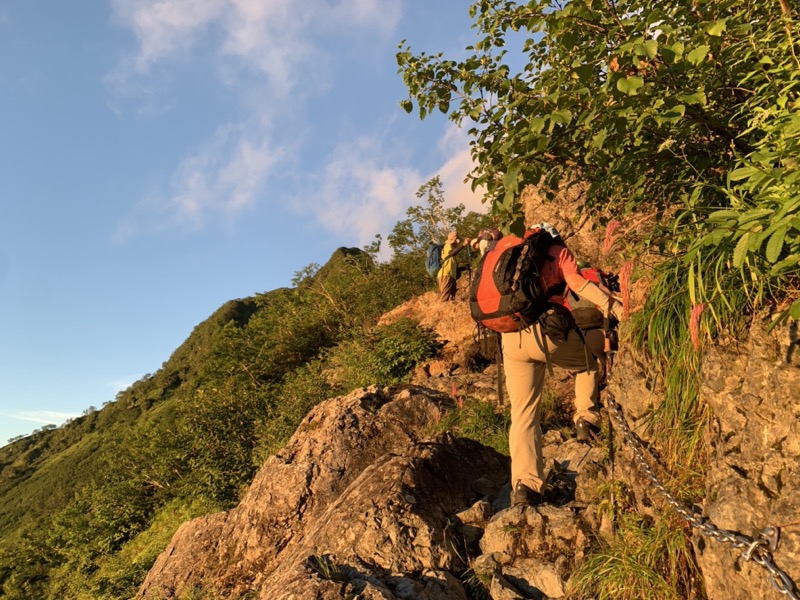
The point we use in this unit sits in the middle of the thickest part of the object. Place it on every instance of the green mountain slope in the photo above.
(77, 502)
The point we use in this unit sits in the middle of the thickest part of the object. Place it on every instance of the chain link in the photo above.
(758, 550)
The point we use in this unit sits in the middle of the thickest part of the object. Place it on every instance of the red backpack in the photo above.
(507, 292)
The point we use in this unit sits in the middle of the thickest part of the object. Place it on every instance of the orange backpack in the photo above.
(507, 292)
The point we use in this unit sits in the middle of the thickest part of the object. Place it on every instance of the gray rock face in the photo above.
(753, 441)
(366, 502)
(334, 444)
(753, 446)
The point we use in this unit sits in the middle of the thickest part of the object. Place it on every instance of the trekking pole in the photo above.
(500, 400)
(607, 348)
(469, 264)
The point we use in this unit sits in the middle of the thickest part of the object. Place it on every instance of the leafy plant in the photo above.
(681, 108)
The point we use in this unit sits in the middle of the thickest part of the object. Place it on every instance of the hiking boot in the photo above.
(585, 431)
(522, 495)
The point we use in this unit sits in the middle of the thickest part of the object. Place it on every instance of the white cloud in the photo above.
(42, 417)
(455, 144)
(221, 180)
(360, 194)
(120, 385)
(274, 38)
(264, 50)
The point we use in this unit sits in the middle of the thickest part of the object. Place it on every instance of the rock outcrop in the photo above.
(753, 480)
(367, 501)
(753, 445)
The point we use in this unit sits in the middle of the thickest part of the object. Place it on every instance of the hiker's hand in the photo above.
(467, 241)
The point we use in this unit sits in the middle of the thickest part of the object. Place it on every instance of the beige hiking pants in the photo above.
(524, 364)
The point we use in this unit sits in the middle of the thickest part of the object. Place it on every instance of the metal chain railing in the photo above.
(759, 549)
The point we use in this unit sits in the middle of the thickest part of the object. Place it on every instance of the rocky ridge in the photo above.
(368, 501)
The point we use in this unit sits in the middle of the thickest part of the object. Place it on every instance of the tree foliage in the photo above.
(685, 112)
(431, 221)
(685, 107)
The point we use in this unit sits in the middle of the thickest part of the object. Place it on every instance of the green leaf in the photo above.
(723, 215)
(716, 237)
(407, 105)
(648, 49)
(754, 215)
(599, 138)
(584, 73)
(630, 85)
(698, 55)
(794, 311)
(537, 124)
(671, 115)
(717, 28)
(742, 173)
(775, 244)
(741, 250)
(510, 179)
(696, 98)
(561, 116)
(785, 264)
(673, 53)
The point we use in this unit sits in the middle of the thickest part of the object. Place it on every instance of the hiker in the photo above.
(526, 356)
(486, 239)
(448, 273)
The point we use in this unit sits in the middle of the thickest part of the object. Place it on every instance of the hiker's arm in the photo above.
(459, 249)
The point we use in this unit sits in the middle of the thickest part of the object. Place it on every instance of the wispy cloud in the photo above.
(121, 384)
(220, 181)
(455, 146)
(42, 417)
(271, 46)
(277, 39)
(360, 193)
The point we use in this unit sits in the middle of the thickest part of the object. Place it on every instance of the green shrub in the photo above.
(480, 421)
(401, 346)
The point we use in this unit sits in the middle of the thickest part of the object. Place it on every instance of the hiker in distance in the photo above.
(448, 273)
(486, 240)
(528, 353)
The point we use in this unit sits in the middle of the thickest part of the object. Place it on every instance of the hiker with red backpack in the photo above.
(519, 291)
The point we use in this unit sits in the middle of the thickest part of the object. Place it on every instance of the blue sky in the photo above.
(160, 157)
